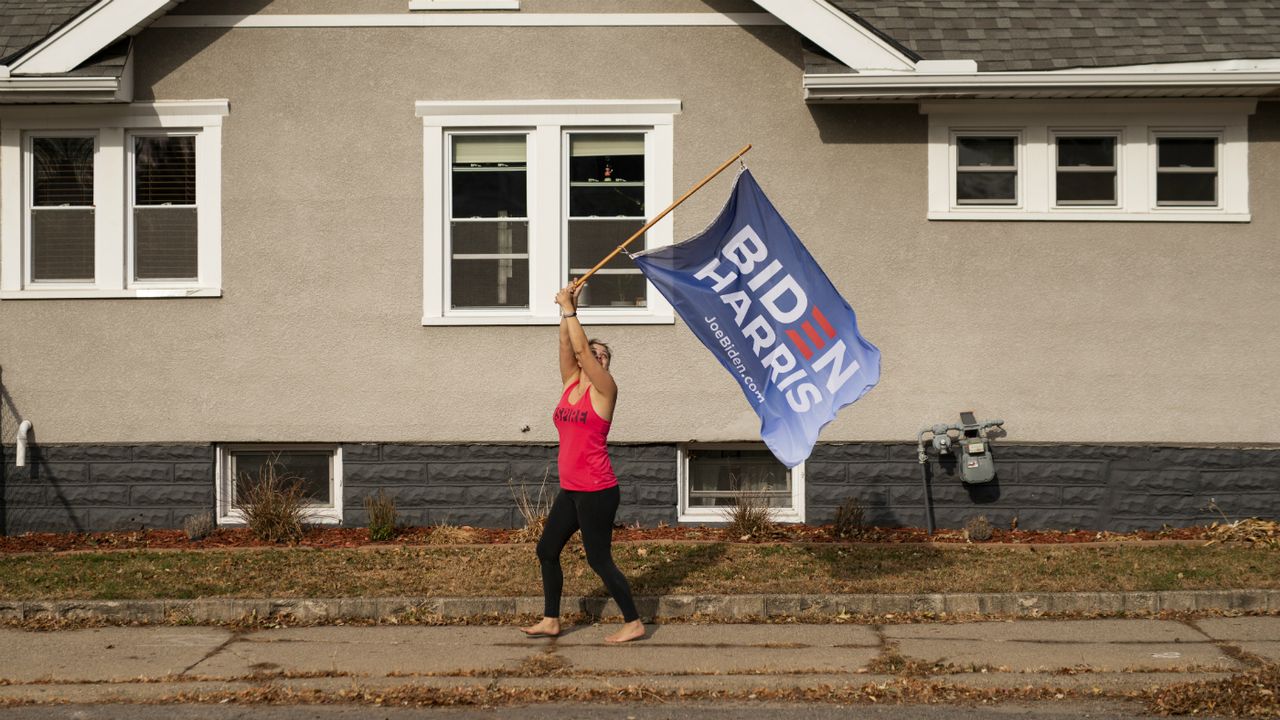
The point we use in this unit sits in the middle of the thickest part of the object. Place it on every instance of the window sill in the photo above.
(91, 294)
(464, 4)
(317, 516)
(602, 318)
(781, 515)
(1212, 216)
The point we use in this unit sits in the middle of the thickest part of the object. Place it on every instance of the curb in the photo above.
(701, 607)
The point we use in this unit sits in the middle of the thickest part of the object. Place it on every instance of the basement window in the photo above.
(316, 470)
(713, 478)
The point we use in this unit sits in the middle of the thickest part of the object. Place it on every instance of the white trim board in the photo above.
(470, 20)
(837, 33)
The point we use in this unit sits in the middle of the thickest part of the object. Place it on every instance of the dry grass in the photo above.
(274, 503)
(849, 521)
(749, 517)
(199, 526)
(382, 516)
(653, 569)
(445, 534)
(533, 508)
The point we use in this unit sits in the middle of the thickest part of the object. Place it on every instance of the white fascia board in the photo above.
(59, 89)
(923, 85)
(86, 34)
(162, 113)
(837, 33)
(452, 110)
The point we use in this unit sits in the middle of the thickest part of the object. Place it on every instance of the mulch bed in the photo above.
(318, 537)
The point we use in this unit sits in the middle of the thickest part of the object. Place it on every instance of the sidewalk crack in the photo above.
(235, 636)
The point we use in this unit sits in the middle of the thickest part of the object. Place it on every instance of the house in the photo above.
(329, 233)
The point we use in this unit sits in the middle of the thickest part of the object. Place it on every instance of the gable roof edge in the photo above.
(86, 34)
(853, 43)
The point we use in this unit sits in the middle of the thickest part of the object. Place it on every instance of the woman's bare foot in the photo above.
(633, 630)
(546, 627)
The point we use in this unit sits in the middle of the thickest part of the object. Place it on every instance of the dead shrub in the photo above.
(533, 508)
(381, 509)
(978, 529)
(442, 533)
(849, 519)
(749, 517)
(199, 526)
(274, 504)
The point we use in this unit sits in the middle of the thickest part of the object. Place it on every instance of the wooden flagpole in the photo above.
(577, 283)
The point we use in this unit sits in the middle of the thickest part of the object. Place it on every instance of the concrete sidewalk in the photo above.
(149, 663)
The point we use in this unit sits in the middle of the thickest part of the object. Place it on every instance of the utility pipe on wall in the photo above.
(24, 428)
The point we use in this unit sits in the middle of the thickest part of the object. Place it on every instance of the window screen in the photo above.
(717, 478)
(62, 214)
(606, 206)
(1187, 171)
(1086, 170)
(986, 170)
(489, 223)
(164, 208)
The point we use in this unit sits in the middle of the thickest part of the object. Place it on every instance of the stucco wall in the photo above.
(1071, 332)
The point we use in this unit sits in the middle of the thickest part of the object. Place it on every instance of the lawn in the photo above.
(654, 568)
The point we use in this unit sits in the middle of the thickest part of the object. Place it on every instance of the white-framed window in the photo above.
(522, 196)
(986, 166)
(316, 468)
(712, 476)
(1089, 160)
(1086, 168)
(111, 202)
(59, 208)
(1186, 168)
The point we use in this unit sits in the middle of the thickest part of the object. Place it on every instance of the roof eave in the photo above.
(59, 89)
(866, 87)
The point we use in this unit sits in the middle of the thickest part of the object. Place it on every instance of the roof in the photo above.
(24, 23)
(1028, 35)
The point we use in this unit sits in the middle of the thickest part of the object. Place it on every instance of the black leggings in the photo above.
(593, 513)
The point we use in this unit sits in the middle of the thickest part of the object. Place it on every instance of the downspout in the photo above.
(24, 429)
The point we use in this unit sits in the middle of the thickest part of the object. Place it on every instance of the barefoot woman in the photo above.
(588, 498)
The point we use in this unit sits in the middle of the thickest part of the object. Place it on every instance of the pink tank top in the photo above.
(584, 459)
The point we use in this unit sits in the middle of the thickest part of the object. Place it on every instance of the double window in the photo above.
(523, 197)
(119, 202)
(1051, 165)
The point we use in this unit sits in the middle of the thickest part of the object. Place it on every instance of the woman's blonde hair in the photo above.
(608, 353)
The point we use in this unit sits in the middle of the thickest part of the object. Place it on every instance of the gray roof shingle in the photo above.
(1012, 35)
(23, 23)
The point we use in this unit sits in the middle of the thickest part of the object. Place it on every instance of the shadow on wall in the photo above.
(34, 472)
(159, 66)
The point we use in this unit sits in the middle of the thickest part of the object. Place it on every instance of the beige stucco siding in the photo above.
(1113, 332)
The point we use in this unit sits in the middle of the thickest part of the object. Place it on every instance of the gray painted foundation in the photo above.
(80, 488)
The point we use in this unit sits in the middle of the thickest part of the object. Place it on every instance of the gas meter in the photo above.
(968, 441)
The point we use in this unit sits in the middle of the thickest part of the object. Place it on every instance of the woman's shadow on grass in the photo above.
(660, 576)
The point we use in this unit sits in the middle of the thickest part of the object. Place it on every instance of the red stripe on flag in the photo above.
(822, 320)
(814, 337)
(800, 344)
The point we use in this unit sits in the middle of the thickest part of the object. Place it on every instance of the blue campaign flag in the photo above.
(754, 296)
